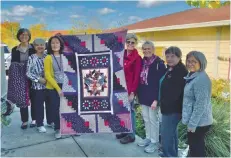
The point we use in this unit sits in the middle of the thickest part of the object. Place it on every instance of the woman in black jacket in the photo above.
(171, 98)
(20, 54)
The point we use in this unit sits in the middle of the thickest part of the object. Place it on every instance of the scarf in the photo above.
(145, 69)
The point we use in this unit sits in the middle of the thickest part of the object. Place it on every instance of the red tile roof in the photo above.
(197, 15)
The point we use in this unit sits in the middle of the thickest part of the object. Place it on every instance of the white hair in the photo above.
(148, 43)
(129, 36)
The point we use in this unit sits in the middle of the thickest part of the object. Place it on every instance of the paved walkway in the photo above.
(29, 143)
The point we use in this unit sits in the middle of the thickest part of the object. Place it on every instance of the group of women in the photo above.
(180, 92)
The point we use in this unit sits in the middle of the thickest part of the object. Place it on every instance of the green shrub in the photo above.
(140, 129)
(217, 140)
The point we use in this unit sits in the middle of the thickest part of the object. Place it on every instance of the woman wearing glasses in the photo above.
(132, 69)
(18, 84)
(197, 107)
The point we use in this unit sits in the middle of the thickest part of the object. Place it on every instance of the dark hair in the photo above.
(21, 31)
(174, 50)
(49, 49)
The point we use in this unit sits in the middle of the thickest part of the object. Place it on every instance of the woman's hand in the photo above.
(191, 130)
(42, 80)
(154, 105)
(131, 97)
(60, 93)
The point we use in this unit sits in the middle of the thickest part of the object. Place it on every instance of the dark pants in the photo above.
(55, 105)
(196, 142)
(25, 112)
(48, 107)
(169, 134)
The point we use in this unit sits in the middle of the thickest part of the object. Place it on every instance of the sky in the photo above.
(62, 15)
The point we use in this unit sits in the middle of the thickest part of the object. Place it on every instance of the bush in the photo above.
(217, 140)
(140, 129)
(221, 89)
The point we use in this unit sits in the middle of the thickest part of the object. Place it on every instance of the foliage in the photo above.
(8, 33)
(220, 89)
(207, 3)
(140, 131)
(217, 140)
(39, 31)
(5, 120)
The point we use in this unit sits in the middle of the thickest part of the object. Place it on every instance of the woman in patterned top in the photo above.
(54, 75)
(35, 72)
(20, 55)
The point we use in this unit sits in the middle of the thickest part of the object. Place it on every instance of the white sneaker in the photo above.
(52, 125)
(144, 142)
(42, 129)
(57, 134)
(151, 148)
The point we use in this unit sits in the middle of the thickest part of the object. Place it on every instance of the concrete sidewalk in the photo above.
(16, 142)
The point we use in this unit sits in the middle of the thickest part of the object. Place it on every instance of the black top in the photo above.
(15, 54)
(172, 90)
(148, 93)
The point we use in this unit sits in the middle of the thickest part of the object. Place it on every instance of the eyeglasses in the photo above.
(130, 42)
(192, 62)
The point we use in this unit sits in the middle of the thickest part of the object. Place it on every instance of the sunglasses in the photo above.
(130, 42)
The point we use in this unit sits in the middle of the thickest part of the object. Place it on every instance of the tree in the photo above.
(9, 32)
(207, 3)
(39, 31)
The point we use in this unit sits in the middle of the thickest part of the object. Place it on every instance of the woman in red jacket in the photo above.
(132, 69)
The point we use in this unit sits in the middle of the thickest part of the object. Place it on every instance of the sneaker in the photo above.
(144, 142)
(121, 135)
(51, 125)
(42, 129)
(151, 148)
(33, 124)
(127, 139)
(57, 134)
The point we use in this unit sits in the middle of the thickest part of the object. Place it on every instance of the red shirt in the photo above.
(132, 69)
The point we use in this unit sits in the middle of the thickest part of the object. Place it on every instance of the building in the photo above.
(203, 29)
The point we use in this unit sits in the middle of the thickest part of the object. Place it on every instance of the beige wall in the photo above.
(201, 39)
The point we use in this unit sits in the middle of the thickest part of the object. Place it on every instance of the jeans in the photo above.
(169, 134)
(196, 142)
(133, 117)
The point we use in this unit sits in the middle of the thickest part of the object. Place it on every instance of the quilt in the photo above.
(95, 93)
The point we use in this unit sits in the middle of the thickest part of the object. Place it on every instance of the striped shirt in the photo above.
(35, 70)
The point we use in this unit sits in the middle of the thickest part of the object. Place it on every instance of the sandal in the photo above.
(32, 124)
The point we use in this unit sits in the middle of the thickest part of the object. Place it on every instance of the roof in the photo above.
(63, 32)
(192, 16)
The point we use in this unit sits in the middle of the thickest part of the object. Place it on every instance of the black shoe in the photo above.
(121, 135)
(24, 126)
(32, 125)
(127, 139)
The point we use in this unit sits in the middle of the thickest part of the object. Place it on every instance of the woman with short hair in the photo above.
(153, 68)
(197, 107)
(132, 68)
(171, 98)
(20, 94)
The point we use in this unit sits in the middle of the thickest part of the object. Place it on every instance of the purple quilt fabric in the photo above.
(95, 93)
(18, 85)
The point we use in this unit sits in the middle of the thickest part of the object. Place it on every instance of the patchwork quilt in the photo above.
(95, 93)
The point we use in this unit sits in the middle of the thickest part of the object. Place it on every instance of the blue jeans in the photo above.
(169, 134)
(133, 117)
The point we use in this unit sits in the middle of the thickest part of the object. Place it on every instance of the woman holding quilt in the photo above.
(19, 91)
(132, 68)
(153, 68)
(54, 75)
